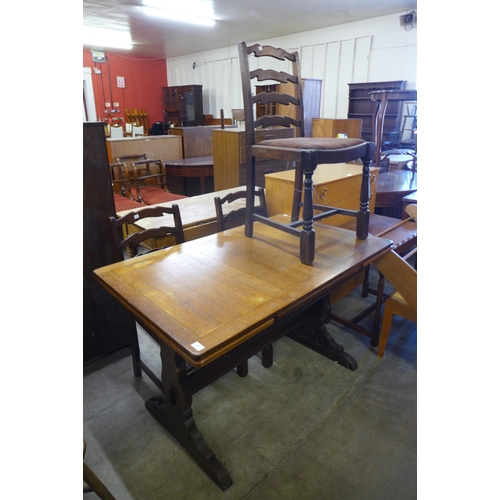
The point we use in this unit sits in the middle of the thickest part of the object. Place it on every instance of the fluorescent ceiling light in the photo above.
(101, 37)
(181, 11)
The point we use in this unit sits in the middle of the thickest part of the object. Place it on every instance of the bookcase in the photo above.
(361, 106)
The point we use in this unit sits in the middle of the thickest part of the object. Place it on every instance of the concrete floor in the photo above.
(304, 429)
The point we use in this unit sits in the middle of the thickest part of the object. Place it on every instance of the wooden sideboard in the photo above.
(335, 185)
(166, 147)
(229, 151)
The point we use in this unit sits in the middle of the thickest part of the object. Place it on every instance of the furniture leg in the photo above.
(374, 340)
(267, 356)
(242, 369)
(307, 235)
(250, 200)
(175, 414)
(386, 327)
(134, 347)
(366, 284)
(363, 216)
(297, 193)
(314, 335)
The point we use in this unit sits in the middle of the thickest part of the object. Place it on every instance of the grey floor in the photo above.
(304, 429)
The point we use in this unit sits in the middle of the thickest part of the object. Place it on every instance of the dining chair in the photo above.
(137, 130)
(150, 182)
(121, 184)
(403, 302)
(130, 240)
(115, 131)
(236, 217)
(262, 111)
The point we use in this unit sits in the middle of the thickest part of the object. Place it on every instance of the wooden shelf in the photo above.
(361, 106)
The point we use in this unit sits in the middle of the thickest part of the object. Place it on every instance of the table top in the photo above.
(207, 296)
(194, 210)
(396, 181)
(197, 161)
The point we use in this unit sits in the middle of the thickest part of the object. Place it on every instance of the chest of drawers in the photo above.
(335, 185)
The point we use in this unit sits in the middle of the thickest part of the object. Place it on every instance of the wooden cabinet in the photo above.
(183, 105)
(361, 106)
(229, 152)
(106, 325)
(336, 185)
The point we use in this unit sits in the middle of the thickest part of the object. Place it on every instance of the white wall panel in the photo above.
(376, 49)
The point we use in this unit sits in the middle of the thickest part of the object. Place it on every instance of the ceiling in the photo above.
(248, 20)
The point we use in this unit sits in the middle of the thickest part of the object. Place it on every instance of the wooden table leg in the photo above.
(202, 180)
(313, 334)
(175, 414)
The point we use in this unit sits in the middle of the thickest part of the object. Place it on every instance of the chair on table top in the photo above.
(121, 185)
(171, 233)
(235, 218)
(150, 183)
(115, 131)
(305, 152)
(94, 484)
(403, 302)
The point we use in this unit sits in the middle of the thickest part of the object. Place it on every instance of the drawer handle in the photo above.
(323, 193)
(373, 179)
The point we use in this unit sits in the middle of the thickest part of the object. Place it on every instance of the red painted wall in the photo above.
(144, 79)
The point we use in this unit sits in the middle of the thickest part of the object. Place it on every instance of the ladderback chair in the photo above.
(121, 184)
(236, 217)
(305, 152)
(150, 183)
(129, 247)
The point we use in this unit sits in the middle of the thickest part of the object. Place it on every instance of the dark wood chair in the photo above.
(305, 152)
(128, 246)
(150, 183)
(236, 217)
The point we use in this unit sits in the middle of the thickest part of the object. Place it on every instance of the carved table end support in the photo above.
(176, 416)
(314, 335)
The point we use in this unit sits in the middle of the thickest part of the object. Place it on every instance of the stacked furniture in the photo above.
(305, 152)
